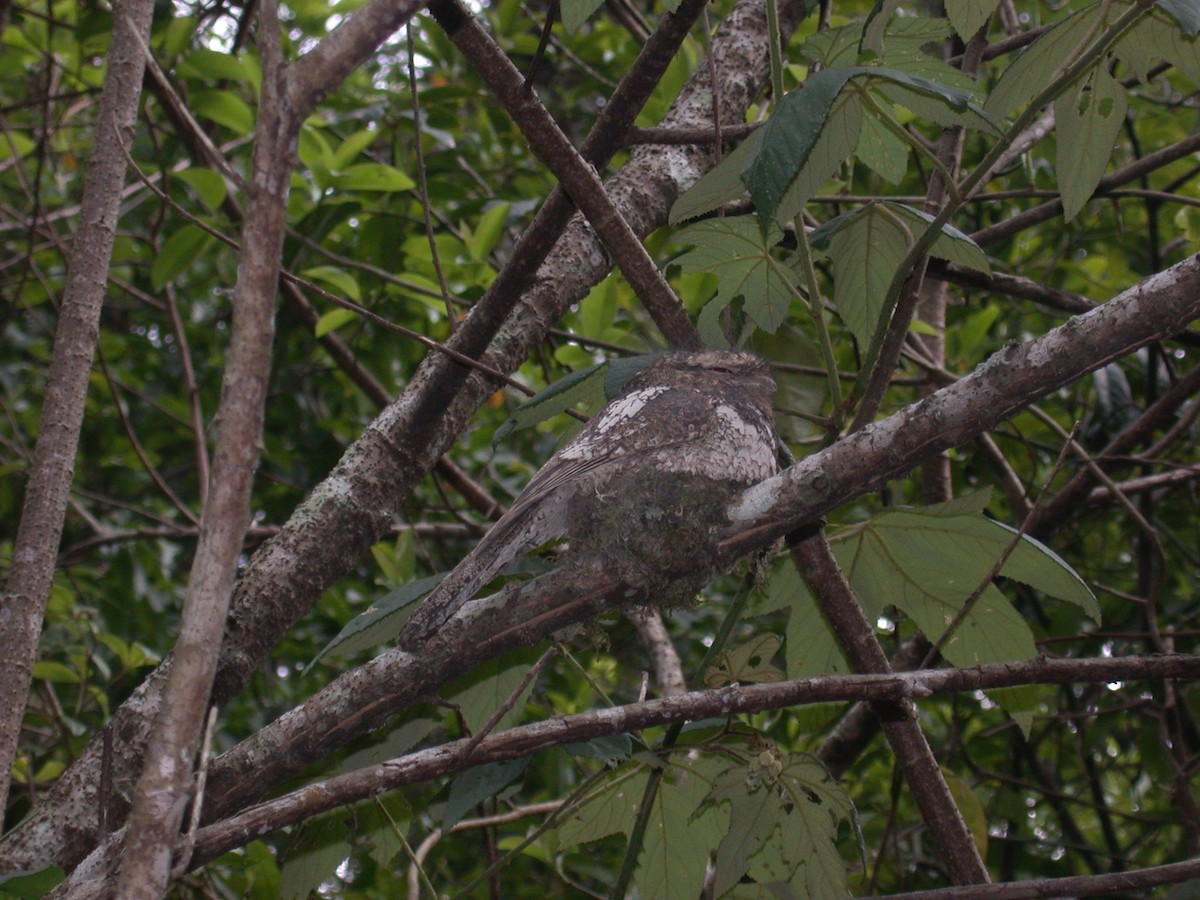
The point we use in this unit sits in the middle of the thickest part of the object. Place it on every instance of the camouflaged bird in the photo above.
(683, 436)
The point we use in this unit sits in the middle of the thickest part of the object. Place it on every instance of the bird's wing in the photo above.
(629, 428)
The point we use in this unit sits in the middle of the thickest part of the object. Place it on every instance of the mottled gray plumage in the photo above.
(703, 414)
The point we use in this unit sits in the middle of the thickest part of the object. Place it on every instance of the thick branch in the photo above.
(447, 759)
(955, 846)
(353, 507)
(165, 784)
(361, 700)
(1007, 382)
(345, 49)
(581, 181)
(40, 530)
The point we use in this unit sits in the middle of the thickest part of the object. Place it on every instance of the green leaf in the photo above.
(966, 340)
(380, 622)
(581, 386)
(373, 177)
(866, 250)
(1158, 37)
(55, 672)
(610, 748)
(398, 741)
(208, 185)
(576, 12)
(622, 369)
(15, 144)
(1031, 71)
(754, 815)
(719, 185)
(209, 66)
(1185, 12)
(1020, 703)
(340, 280)
(711, 325)
(736, 250)
(316, 851)
(1089, 117)
(882, 150)
(594, 385)
(351, 148)
(488, 231)
(801, 858)
(333, 320)
(972, 504)
(905, 39)
(1035, 564)
(939, 106)
(315, 152)
(871, 45)
(381, 824)
(679, 834)
(397, 560)
(478, 784)
(130, 656)
(677, 843)
(31, 884)
(225, 108)
(969, 804)
(789, 137)
(822, 109)
(812, 649)
(868, 244)
(928, 562)
(833, 48)
(177, 253)
(804, 775)
(968, 16)
(747, 663)
(488, 687)
(610, 809)
(598, 310)
(775, 872)
(838, 140)
(951, 244)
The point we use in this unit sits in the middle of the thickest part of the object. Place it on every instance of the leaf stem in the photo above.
(815, 309)
(774, 45)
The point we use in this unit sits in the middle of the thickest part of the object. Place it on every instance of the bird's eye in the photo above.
(721, 369)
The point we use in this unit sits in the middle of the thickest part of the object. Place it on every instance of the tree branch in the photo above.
(40, 531)
(361, 700)
(580, 180)
(842, 611)
(353, 507)
(165, 785)
(435, 762)
(1008, 381)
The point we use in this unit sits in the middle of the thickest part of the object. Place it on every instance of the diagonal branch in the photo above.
(353, 507)
(889, 689)
(1007, 382)
(362, 700)
(580, 180)
(840, 607)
